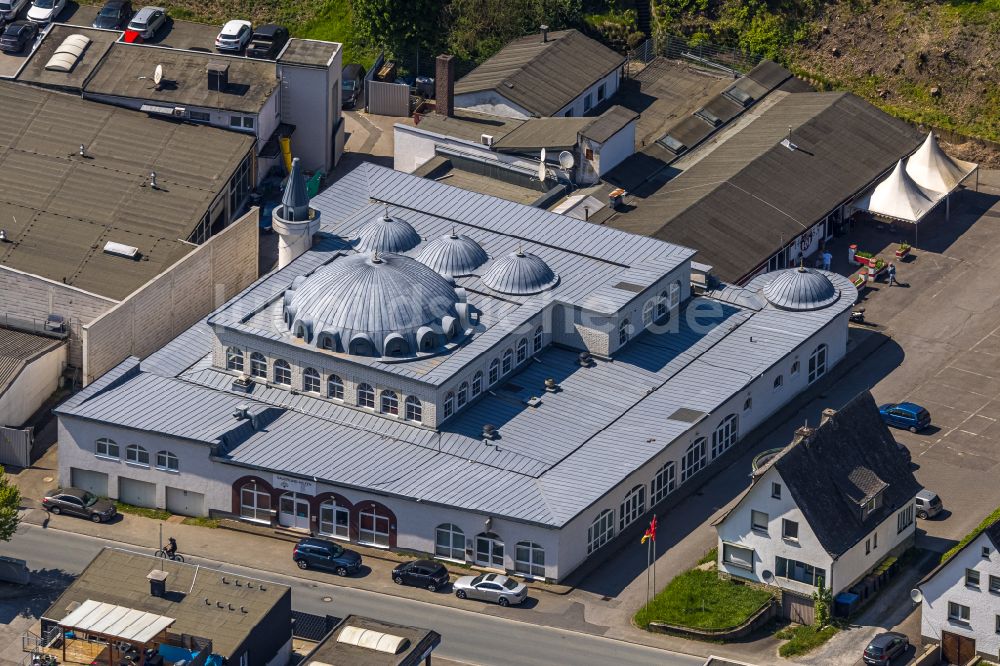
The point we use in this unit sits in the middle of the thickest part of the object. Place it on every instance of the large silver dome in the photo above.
(453, 255)
(520, 273)
(800, 289)
(375, 305)
(387, 234)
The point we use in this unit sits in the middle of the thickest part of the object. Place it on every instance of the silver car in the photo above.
(147, 21)
(491, 587)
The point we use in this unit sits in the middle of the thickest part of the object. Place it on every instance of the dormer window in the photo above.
(871, 505)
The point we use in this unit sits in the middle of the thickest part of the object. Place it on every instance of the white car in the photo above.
(45, 11)
(234, 36)
(9, 9)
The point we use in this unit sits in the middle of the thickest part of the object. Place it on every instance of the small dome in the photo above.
(373, 305)
(453, 255)
(387, 234)
(800, 289)
(520, 273)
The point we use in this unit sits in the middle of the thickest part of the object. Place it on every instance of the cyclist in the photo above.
(171, 548)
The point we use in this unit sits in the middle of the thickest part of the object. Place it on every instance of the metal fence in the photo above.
(15, 446)
(730, 59)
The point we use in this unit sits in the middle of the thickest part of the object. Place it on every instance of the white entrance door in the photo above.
(293, 511)
(334, 520)
(489, 551)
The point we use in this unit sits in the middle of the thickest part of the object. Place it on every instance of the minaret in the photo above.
(294, 221)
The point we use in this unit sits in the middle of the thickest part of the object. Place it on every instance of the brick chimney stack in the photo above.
(444, 85)
(828, 413)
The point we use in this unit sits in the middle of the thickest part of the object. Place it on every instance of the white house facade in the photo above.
(960, 605)
(451, 374)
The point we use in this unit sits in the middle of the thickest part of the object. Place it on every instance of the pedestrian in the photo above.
(827, 260)
(892, 274)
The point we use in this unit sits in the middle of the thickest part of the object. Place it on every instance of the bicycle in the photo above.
(167, 555)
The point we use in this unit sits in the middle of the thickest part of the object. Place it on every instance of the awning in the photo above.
(120, 622)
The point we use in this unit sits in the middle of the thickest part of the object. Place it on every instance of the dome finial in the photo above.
(520, 251)
(454, 234)
(376, 257)
(385, 214)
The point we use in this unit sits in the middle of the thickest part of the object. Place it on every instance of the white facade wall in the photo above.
(606, 156)
(414, 146)
(216, 117)
(38, 380)
(948, 584)
(868, 552)
(491, 102)
(310, 100)
(267, 120)
(576, 108)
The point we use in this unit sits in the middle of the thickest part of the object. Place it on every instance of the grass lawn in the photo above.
(201, 521)
(699, 599)
(156, 514)
(802, 639)
(710, 556)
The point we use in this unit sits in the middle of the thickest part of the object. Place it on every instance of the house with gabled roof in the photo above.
(824, 511)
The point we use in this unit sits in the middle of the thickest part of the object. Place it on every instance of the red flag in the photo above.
(650, 532)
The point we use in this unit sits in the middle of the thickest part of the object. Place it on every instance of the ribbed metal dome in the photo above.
(387, 234)
(520, 273)
(374, 305)
(453, 255)
(800, 289)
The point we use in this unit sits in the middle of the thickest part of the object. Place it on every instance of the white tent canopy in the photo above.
(127, 624)
(932, 169)
(899, 197)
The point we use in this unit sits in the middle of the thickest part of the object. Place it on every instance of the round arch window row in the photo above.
(655, 309)
(109, 449)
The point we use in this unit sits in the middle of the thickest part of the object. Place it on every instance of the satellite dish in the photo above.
(541, 166)
(916, 595)
(767, 575)
(158, 74)
(566, 160)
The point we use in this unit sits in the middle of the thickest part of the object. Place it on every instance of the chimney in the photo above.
(827, 415)
(444, 85)
(545, 33)
(218, 76)
(157, 583)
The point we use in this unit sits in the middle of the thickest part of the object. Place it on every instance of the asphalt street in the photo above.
(467, 635)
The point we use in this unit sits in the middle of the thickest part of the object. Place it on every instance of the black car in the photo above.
(76, 502)
(351, 80)
(17, 36)
(323, 554)
(885, 647)
(114, 15)
(267, 41)
(421, 573)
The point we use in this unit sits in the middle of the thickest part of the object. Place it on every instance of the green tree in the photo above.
(10, 502)
(397, 24)
(480, 28)
(822, 601)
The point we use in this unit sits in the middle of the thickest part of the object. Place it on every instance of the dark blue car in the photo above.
(906, 415)
(322, 554)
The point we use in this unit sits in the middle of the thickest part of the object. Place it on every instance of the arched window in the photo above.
(414, 409)
(538, 339)
(725, 435)
(661, 305)
(693, 460)
(624, 329)
(390, 403)
(334, 520)
(449, 404)
(366, 396)
(234, 359)
(255, 502)
(522, 350)
(494, 371)
(647, 312)
(167, 461)
(477, 383)
(817, 363)
(462, 396)
(778, 382)
(675, 295)
(282, 373)
(373, 526)
(449, 542)
(529, 559)
(310, 381)
(107, 448)
(258, 365)
(508, 361)
(632, 507)
(663, 483)
(335, 387)
(601, 531)
(136, 455)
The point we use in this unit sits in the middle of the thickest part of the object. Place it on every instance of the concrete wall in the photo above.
(491, 102)
(33, 298)
(310, 100)
(949, 585)
(173, 301)
(38, 380)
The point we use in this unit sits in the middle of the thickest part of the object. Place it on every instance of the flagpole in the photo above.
(647, 573)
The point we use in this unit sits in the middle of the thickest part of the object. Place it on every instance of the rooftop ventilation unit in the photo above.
(708, 117)
(67, 53)
(486, 140)
(218, 76)
(741, 97)
(121, 250)
(489, 431)
(672, 144)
